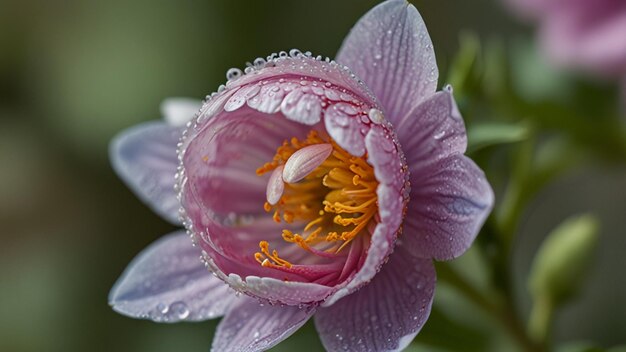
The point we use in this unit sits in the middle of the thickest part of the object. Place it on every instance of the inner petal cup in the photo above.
(224, 183)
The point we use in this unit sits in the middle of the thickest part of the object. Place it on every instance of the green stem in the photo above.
(540, 321)
(502, 311)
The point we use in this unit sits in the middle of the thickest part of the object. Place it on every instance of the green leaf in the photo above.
(481, 135)
(563, 258)
(558, 270)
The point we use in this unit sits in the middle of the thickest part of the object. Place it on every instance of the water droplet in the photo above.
(295, 53)
(179, 309)
(233, 74)
(259, 62)
(162, 308)
(439, 135)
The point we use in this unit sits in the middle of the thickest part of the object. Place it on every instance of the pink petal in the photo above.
(144, 157)
(269, 285)
(304, 161)
(432, 131)
(221, 162)
(280, 77)
(167, 282)
(589, 35)
(229, 252)
(301, 107)
(386, 314)
(179, 111)
(447, 208)
(250, 326)
(391, 51)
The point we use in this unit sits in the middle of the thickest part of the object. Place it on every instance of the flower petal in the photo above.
(179, 111)
(346, 129)
(250, 326)
(432, 131)
(447, 208)
(144, 156)
(167, 282)
(386, 314)
(587, 35)
(391, 51)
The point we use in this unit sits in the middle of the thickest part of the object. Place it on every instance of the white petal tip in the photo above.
(275, 186)
(304, 161)
(179, 111)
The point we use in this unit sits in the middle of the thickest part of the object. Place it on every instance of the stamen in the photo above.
(316, 181)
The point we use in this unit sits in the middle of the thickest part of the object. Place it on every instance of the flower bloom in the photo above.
(580, 33)
(315, 188)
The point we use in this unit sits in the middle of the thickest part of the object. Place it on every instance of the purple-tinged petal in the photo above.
(447, 208)
(167, 282)
(391, 51)
(432, 131)
(305, 160)
(178, 111)
(250, 326)
(386, 314)
(144, 156)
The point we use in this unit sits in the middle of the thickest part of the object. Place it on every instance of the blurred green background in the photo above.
(73, 73)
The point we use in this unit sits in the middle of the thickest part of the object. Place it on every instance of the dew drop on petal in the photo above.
(233, 74)
(179, 310)
(162, 308)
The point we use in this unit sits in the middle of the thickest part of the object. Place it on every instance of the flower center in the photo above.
(317, 182)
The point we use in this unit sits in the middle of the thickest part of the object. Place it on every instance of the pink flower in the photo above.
(314, 188)
(580, 33)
